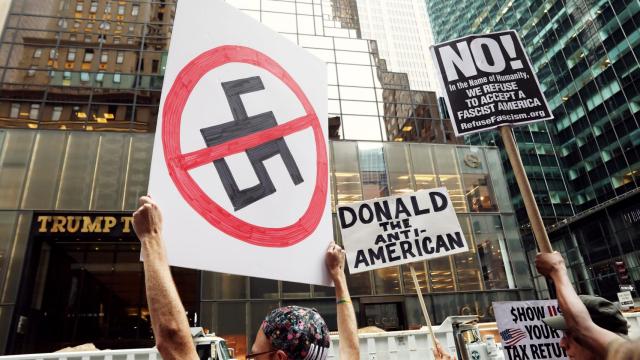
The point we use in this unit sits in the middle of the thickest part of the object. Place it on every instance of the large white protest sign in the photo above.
(400, 229)
(488, 81)
(524, 335)
(240, 158)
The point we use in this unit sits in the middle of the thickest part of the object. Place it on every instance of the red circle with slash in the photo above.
(179, 163)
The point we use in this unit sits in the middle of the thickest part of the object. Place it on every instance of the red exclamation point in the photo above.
(507, 42)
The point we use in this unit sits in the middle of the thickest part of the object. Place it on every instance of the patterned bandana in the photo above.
(300, 332)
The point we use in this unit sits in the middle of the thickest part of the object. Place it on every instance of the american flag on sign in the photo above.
(512, 336)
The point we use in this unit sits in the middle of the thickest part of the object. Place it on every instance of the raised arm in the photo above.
(576, 315)
(347, 324)
(168, 319)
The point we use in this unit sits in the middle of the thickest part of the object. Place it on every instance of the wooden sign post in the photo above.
(533, 212)
(422, 304)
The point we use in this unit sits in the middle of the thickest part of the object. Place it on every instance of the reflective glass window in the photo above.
(397, 156)
(387, 280)
(424, 174)
(490, 245)
(372, 170)
(449, 175)
(218, 286)
(347, 173)
(468, 274)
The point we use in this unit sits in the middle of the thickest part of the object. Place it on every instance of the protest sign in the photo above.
(488, 81)
(239, 163)
(400, 229)
(524, 335)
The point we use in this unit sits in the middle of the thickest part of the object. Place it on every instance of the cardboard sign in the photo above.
(488, 81)
(626, 300)
(240, 164)
(400, 229)
(524, 335)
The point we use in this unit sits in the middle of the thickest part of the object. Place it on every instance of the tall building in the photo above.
(401, 29)
(586, 57)
(80, 83)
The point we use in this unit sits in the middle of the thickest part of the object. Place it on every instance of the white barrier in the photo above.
(126, 354)
(395, 345)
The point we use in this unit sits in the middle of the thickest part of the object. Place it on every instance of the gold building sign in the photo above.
(76, 224)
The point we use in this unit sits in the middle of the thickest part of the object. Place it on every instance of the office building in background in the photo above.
(584, 164)
(402, 31)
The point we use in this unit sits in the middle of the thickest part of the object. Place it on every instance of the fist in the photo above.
(334, 260)
(147, 220)
(549, 264)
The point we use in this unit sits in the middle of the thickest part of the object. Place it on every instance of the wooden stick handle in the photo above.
(422, 305)
(533, 212)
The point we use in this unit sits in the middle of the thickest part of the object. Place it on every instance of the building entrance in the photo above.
(87, 287)
(387, 313)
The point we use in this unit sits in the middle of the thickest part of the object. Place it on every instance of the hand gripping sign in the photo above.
(240, 161)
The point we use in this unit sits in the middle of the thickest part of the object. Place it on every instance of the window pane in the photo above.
(478, 193)
(139, 167)
(218, 286)
(449, 176)
(372, 170)
(468, 274)
(359, 284)
(498, 180)
(40, 190)
(423, 172)
(398, 167)
(487, 232)
(519, 263)
(295, 290)
(347, 175)
(263, 288)
(279, 22)
(109, 175)
(77, 177)
(440, 275)
(15, 228)
(15, 151)
(355, 75)
(387, 280)
(409, 285)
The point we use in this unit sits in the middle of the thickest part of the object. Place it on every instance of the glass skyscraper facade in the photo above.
(403, 34)
(584, 164)
(80, 83)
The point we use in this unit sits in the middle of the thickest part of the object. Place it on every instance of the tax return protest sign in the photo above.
(400, 229)
(524, 335)
(488, 81)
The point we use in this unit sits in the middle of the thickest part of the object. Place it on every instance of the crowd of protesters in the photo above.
(593, 327)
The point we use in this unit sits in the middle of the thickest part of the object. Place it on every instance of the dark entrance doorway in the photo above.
(87, 287)
(385, 313)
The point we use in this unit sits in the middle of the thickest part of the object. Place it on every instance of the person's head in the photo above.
(604, 314)
(292, 332)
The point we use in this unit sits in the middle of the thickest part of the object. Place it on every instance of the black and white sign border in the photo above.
(445, 91)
